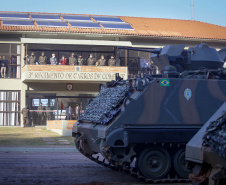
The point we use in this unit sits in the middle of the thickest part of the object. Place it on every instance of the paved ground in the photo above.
(57, 168)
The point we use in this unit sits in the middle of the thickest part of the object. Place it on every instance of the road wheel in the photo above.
(179, 164)
(154, 163)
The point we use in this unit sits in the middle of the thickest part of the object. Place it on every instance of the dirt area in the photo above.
(30, 136)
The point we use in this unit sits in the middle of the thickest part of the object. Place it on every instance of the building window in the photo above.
(11, 55)
(10, 108)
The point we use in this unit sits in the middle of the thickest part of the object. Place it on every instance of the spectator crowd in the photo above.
(8, 68)
(73, 60)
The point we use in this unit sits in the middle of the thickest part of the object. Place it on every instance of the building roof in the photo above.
(149, 27)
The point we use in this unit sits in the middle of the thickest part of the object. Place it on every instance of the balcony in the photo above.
(41, 73)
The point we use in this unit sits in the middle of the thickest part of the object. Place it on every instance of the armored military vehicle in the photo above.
(141, 125)
(206, 151)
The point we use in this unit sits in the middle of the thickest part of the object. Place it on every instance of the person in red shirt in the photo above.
(63, 60)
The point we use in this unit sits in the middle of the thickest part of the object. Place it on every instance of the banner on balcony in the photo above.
(79, 76)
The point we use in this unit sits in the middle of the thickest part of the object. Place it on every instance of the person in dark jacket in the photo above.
(13, 67)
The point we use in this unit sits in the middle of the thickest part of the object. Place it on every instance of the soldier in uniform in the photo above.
(40, 114)
(72, 60)
(42, 59)
(53, 60)
(112, 61)
(25, 112)
(80, 60)
(90, 60)
(48, 113)
(32, 59)
(101, 61)
(77, 112)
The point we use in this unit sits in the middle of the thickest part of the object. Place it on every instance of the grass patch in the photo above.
(28, 136)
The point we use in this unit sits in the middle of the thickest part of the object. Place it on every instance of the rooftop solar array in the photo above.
(17, 23)
(85, 25)
(54, 20)
(51, 23)
(107, 19)
(14, 16)
(76, 18)
(45, 16)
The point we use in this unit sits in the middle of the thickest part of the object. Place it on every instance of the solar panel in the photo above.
(85, 25)
(124, 26)
(76, 18)
(14, 15)
(45, 16)
(17, 23)
(51, 23)
(107, 19)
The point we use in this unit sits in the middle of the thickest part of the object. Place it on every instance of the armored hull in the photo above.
(147, 121)
(206, 151)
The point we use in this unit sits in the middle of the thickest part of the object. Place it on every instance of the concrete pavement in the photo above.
(48, 148)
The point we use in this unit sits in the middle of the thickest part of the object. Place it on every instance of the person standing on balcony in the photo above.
(101, 61)
(4, 64)
(80, 61)
(112, 61)
(13, 67)
(63, 60)
(32, 59)
(42, 59)
(0, 64)
(53, 60)
(90, 60)
(72, 60)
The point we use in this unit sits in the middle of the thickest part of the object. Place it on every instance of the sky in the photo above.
(210, 11)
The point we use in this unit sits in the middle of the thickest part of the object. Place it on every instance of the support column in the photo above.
(23, 86)
(22, 101)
